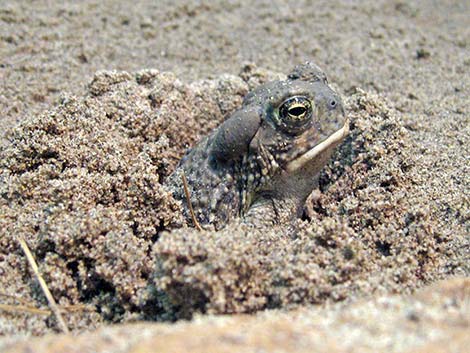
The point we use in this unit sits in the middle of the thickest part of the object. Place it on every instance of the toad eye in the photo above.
(295, 109)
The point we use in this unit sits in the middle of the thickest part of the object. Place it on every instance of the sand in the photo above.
(81, 174)
(432, 320)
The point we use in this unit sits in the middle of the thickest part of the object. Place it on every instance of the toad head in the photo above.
(263, 161)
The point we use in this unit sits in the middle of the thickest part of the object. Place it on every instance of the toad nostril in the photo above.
(333, 103)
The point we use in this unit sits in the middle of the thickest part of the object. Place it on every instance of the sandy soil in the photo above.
(393, 212)
(432, 320)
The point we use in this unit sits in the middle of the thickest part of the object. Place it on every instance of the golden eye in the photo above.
(295, 109)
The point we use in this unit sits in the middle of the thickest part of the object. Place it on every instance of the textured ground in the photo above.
(433, 320)
(81, 182)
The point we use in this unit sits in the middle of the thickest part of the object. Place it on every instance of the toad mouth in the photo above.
(313, 153)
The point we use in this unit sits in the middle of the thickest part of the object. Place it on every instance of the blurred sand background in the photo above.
(414, 54)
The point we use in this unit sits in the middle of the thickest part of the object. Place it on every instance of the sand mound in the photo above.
(82, 184)
(363, 233)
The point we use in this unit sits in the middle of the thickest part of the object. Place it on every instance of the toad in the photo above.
(261, 164)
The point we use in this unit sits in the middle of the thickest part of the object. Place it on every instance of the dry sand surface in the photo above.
(108, 96)
(433, 320)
